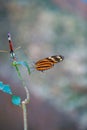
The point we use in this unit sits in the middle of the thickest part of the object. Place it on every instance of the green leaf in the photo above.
(27, 66)
(7, 89)
(16, 100)
(1, 82)
(23, 63)
(1, 85)
(15, 64)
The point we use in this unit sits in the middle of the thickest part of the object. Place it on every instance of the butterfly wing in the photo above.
(47, 63)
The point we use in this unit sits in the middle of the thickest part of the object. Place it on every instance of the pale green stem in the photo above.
(23, 82)
(26, 101)
(24, 115)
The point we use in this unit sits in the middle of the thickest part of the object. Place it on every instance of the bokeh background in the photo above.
(58, 97)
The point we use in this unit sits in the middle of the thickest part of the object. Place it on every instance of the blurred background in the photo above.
(44, 28)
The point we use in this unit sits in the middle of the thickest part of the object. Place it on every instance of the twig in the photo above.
(25, 101)
(24, 115)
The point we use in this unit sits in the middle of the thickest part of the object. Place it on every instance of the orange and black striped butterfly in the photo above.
(47, 63)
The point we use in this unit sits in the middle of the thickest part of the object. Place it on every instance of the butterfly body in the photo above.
(12, 54)
(47, 63)
(11, 48)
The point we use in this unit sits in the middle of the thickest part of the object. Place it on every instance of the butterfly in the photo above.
(47, 63)
(12, 54)
(11, 48)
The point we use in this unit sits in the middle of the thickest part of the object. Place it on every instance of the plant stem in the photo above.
(23, 83)
(27, 95)
(24, 115)
(25, 101)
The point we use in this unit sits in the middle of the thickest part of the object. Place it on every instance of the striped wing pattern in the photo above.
(47, 63)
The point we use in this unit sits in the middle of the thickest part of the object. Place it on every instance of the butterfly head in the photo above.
(60, 57)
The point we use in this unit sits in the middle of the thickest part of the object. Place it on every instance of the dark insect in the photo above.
(12, 54)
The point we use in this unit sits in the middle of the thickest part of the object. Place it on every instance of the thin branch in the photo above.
(25, 115)
(26, 100)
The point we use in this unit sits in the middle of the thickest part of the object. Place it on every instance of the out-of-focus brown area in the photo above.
(43, 28)
(41, 115)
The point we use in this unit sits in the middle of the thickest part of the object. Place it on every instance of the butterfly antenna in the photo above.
(3, 51)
